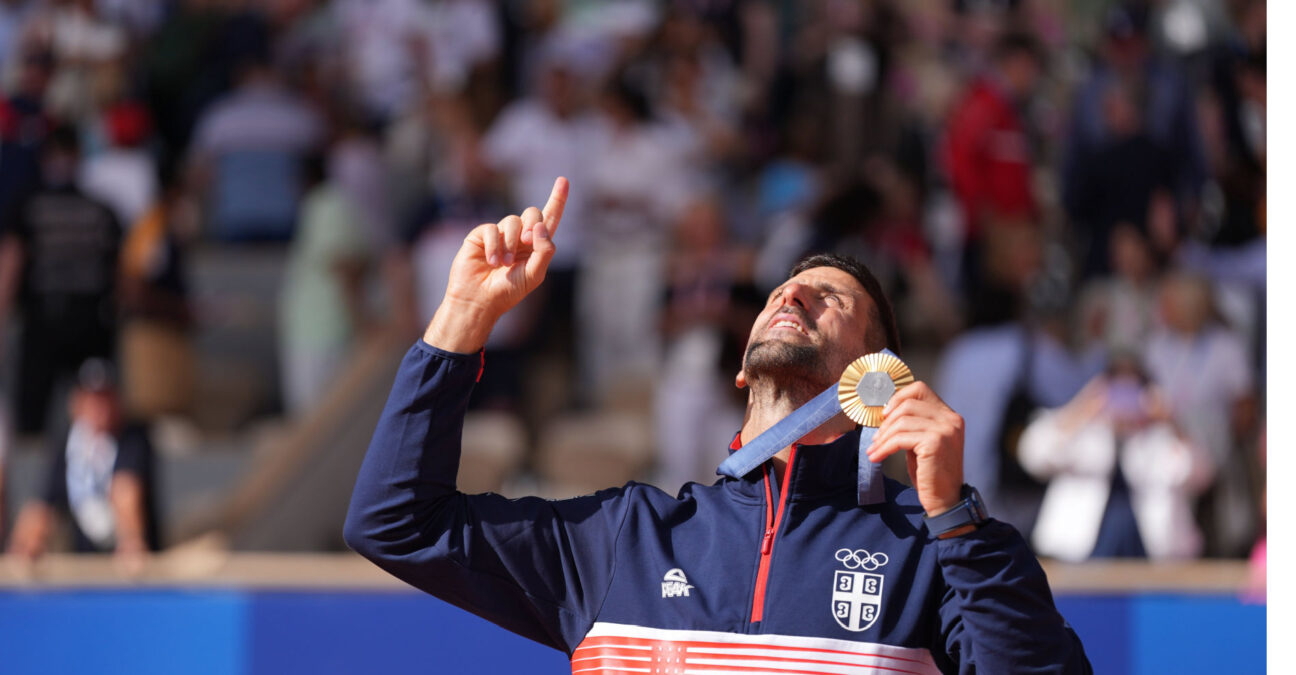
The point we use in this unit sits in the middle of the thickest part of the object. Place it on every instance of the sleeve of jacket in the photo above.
(536, 567)
(998, 615)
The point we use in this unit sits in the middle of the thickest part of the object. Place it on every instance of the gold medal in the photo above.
(867, 385)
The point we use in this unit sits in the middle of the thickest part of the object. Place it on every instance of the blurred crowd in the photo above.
(1064, 198)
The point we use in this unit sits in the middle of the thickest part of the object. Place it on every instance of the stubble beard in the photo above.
(798, 371)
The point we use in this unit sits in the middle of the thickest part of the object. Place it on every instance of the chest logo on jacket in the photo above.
(675, 584)
(857, 591)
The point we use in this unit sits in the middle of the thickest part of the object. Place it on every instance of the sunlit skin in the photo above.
(826, 309)
(823, 309)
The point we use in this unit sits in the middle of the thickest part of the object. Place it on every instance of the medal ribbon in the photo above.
(807, 418)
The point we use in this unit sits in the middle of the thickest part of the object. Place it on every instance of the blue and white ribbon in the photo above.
(803, 420)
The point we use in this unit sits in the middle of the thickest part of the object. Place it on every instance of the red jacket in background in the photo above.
(987, 157)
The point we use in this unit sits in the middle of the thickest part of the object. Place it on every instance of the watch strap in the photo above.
(970, 511)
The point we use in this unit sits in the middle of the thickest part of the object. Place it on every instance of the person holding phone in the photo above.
(1122, 478)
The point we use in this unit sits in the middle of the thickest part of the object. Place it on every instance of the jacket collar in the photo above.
(818, 470)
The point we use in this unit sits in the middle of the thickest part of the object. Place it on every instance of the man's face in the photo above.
(812, 327)
(1022, 73)
(98, 409)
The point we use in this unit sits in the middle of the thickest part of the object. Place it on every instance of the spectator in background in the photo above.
(898, 248)
(1239, 158)
(420, 151)
(58, 262)
(1122, 477)
(787, 188)
(839, 69)
(184, 70)
(695, 409)
(1126, 180)
(463, 36)
(356, 167)
(87, 48)
(157, 353)
(244, 37)
(24, 124)
(1168, 120)
(322, 308)
(101, 475)
(1233, 227)
(385, 49)
(638, 182)
(988, 155)
(975, 25)
(247, 152)
(13, 17)
(123, 175)
(693, 83)
(1203, 367)
(529, 28)
(1119, 311)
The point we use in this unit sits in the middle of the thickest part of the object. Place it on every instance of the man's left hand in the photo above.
(916, 420)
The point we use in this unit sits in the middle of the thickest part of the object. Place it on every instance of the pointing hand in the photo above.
(497, 266)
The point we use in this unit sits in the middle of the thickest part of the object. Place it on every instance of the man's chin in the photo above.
(778, 359)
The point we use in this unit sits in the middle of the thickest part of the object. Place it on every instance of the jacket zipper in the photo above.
(773, 520)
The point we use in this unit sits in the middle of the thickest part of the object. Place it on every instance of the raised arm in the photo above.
(536, 567)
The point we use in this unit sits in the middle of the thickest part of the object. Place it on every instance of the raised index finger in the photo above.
(553, 209)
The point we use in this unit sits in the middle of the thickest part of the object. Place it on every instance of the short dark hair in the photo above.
(881, 315)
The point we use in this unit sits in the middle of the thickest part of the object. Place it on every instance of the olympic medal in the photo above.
(868, 383)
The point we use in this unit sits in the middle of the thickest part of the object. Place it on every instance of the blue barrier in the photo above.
(1147, 634)
(256, 632)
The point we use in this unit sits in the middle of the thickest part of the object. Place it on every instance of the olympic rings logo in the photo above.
(861, 559)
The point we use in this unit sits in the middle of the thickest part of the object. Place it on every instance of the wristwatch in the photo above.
(970, 511)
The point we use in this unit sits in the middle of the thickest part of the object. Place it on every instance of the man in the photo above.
(101, 475)
(987, 151)
(322, 308)
(1165, 114)
(246, 152)
(24, 124)
(778, 570)
(59, 256)
(988, 158)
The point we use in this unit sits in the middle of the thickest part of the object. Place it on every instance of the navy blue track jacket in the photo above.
(760, 575)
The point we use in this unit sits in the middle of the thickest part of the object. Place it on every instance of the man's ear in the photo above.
(740, 380)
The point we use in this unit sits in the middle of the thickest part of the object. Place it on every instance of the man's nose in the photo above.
(794, 294)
